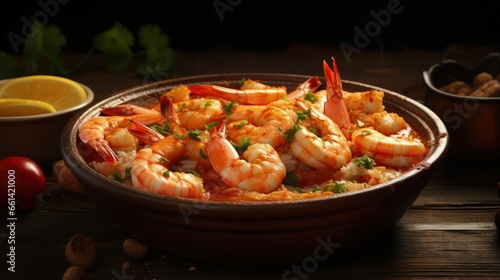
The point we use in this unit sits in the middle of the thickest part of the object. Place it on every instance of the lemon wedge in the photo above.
(15, 107)
(60, 92)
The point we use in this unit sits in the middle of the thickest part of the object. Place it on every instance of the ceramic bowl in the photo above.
(472, 122)
(38, 136)
(256, 233)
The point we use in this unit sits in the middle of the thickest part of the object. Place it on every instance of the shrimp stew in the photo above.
(255, 142)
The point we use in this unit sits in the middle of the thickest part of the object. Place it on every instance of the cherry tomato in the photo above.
(21, 182)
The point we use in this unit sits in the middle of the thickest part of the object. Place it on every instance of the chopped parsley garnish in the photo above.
(165, 130)
(116, 176)
(303, 115)
(311, 97)
(365, 132)
(334, 187)
(243, 145)
(190, 171)
(207, 104)
(194, 134)
(241, 124)
(203, 155)
(289, 133)
(162, 160)
(365, 161)
(228, 107)
(242, 82)
(210, 125)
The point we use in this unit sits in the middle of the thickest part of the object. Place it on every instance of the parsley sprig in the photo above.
(43, 47)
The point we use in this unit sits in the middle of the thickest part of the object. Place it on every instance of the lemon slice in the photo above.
(60, 92)
(15, 107)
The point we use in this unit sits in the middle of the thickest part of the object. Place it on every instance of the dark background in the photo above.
(264, 25)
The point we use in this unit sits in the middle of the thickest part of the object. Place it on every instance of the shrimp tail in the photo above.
(311, 84)
(168, 109)
(257, 96)
(104, 150)
(218, 152)
(335, 107)
(127, 110)
(144, 133)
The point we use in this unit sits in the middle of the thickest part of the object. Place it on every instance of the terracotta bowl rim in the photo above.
(75, 161)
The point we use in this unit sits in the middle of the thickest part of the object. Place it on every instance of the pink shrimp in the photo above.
(128, 110)
(251, 92)
(261, 168)
(328, 150)
(387, 150)
(335, 107)
(95, 130)
(150, 170)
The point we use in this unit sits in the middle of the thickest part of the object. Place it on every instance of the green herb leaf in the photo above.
(289, 133)
(43, 48)
(116, 43)
(364, 161)
(116, 176)
(9, 67)
(243, 145)
(159, 55)
(311, 97)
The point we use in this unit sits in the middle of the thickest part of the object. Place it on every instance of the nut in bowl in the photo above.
(224, 223)
(33, 113)
(468, 102)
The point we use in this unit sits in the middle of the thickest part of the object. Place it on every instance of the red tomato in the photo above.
(21, 182)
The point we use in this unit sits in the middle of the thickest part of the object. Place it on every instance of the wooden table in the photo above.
(449, 232)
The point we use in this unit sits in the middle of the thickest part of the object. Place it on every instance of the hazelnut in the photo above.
(75, 273)
(80, 251)
(135, 249)
(481, 79)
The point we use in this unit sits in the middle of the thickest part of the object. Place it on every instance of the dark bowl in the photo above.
(257, 233)
(473, 122)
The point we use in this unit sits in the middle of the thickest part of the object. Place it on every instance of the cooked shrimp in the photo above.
(384, 122)
(251, 92)
(179, 94)
(95, 130)
(386, 150)
(326, 147)
(260, 169)
(128, 110)
(316, 99)
(335, 107)
(150, 170)
(262, 124)
(369, 101)
(196, 113)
